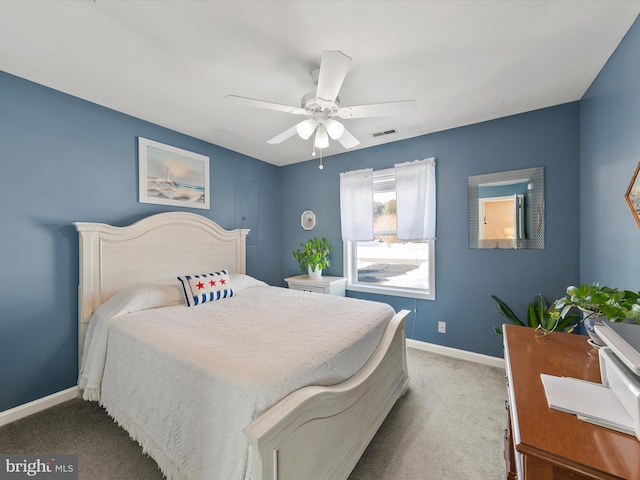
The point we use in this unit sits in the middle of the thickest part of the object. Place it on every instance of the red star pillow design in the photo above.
(206, 287)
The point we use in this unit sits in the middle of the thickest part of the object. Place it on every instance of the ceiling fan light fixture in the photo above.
(306, 128)
(321, 139)
(334, 128)
(318, 107)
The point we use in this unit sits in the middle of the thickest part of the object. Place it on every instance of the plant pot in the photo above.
(314, 273)
(589, 322)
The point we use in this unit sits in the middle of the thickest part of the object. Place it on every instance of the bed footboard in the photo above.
(320, 433)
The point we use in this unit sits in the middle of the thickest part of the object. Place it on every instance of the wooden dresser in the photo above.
(542, 443)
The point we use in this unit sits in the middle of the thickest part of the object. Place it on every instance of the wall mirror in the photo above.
(506, 209)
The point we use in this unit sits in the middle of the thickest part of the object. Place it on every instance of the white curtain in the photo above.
(416, 199)
(356, 205)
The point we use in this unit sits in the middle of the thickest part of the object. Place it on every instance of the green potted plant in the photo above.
(539, 316)
(313, 256)
(597, 303)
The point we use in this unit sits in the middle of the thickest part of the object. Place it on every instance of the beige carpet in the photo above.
(449, 426)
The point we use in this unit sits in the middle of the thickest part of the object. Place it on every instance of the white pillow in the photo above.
(137, 298)
(242, 282)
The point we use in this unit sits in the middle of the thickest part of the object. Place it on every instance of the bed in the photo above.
(313, 427)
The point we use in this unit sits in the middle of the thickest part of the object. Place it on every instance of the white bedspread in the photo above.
(185, 381)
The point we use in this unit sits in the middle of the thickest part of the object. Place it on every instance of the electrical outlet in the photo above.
(442, 327)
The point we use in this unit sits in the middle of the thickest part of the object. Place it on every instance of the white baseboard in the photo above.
(456, 353)
(30, 408)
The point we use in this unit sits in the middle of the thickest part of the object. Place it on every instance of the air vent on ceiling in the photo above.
(386, 132)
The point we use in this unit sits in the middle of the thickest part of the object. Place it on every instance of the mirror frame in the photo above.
(535, 219)
(632, 197)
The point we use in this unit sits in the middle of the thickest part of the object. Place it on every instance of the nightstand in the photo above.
(327, 285)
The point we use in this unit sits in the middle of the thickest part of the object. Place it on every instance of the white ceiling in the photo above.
(172, 62)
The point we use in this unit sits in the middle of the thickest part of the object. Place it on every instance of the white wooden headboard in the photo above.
(155, 249)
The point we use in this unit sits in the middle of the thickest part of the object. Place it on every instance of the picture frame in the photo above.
(308, 220)
(632, 196)
(169, 175)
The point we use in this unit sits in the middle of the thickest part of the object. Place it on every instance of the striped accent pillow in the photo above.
(206, 287)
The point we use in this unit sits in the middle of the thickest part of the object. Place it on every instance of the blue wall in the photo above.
(609, 154)
(63, 160)
(464, 277)
(502, 190)
(66, 160)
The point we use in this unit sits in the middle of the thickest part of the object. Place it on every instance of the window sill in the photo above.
(393, 291)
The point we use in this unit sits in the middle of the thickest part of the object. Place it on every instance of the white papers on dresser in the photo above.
(592, 402)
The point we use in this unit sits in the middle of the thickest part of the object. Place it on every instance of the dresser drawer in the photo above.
(307, 288)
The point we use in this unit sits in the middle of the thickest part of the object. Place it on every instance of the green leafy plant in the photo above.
(595, 300)
(314, 253)
(539, 316)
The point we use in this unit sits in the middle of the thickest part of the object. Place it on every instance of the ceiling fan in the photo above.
(322, 107)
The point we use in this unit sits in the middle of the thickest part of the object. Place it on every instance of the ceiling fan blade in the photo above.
(378, 109)
(333, 68)
(347, 140)
(252, 102)
(283, 136)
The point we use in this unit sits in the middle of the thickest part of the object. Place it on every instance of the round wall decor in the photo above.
(308, 220)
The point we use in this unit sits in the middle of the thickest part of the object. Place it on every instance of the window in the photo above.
(387, 265)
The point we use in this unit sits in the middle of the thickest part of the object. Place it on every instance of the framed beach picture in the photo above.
(633, 195)
(172, 176)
